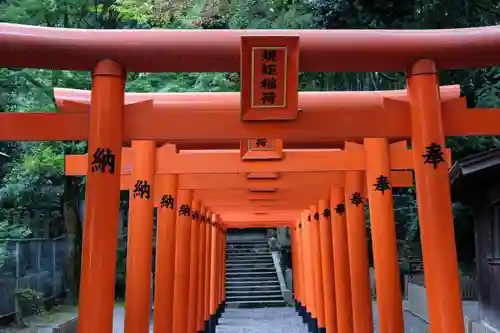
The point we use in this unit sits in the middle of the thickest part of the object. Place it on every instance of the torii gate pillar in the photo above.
(433, 195)
(358, 254)
(165, 255)
(383, 228)
(140, 238)
(97, 292)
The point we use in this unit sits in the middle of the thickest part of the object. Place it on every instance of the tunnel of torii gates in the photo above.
(309, 190)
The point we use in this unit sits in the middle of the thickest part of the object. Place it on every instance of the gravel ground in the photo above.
(266, 320)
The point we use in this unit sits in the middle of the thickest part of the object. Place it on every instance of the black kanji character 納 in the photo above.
(104, 159)
(269, 55)
(356, 199)
(269, 69)
(316, 216)
(184, 210)
(142, 189)
(433, 154)
(268, 97)
(261, 143)
(309, 217)
(269, 83)
(203, 218)
(167, 201)
(195, 215)
(326, 212)
(382, 184)
(340, 208)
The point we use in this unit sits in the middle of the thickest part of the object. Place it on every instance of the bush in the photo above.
(29, 301)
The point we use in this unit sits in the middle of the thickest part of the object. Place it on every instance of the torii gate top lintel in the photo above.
(218, 51)
(230, 101)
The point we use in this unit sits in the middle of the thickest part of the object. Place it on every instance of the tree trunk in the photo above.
(73, 227)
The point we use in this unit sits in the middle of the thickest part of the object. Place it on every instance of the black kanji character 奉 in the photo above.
(142, 189)
(203, 218)
(261, 143)
(316, 216)
(340, 208)
(382, 184)
(104, 159)
(268, 97)
(300, 225)
(167, 201)
(184, 210)
(356, 199)
(433, 154)
(309, 217)
(269, 69)
(269, 83)
(269, 55)
(195, 215)
(326, 212)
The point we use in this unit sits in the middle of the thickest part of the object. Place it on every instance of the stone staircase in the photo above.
(251, 279)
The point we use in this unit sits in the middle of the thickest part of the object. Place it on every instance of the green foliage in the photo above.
(13, 231)
(8, 232)
(29, 301)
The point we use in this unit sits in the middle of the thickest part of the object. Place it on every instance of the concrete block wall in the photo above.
(282, 237)
(479, 327)
(417, 301)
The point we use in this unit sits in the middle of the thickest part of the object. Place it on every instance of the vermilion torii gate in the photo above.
(227, 161)
(423, 117)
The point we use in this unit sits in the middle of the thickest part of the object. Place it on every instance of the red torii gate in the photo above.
(419, 53)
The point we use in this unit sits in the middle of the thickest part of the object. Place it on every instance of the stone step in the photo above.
(250, 269)
(267, 260)
(247, 245)
(251, 265)
(287, 311)
(250, 274)
(254, 256)
(269, 288)
(243, 320)
(255, 304)
(253, 287)
(248, 254)
(251, 281)
(247, 241)
(247, 264)
(259, 298)
(247, 260)
(270, 292)
(259, 279)
(247, 251)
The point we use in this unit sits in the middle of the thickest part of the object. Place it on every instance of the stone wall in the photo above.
(417, 301)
